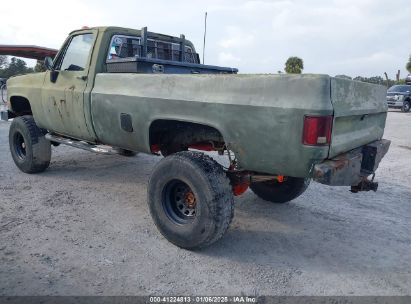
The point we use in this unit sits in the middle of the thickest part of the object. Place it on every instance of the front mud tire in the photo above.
(30, 150)
(275, 192)
(190, 199)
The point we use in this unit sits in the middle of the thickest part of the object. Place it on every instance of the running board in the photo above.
(81, 144)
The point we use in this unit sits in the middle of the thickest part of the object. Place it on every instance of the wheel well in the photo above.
(164, 132)
(20, 106)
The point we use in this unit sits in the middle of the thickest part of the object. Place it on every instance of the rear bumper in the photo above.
(351, 168)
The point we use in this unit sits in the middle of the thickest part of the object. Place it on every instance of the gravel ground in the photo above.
(83, 228)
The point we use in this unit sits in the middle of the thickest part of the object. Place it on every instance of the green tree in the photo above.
(3, 61)
(408, 66)
(374, 79)
(40, 67)
(15, 67)
(294, 65)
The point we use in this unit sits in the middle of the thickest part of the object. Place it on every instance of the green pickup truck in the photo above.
(116, 90)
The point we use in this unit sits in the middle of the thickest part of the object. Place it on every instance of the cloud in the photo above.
(236, 38)
(44, 22)
(226, 58)
(354, 37)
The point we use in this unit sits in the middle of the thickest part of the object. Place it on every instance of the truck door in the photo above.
(65, 93)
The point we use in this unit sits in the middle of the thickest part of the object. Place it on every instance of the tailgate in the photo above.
(360, 110)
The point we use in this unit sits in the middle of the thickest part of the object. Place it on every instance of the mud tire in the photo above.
(30, 150)
(275, 192)
(214, 209)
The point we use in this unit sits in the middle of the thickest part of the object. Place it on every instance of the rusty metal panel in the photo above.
(344, 170)
(351, 168)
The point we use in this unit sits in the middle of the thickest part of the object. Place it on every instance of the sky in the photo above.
(351, 37)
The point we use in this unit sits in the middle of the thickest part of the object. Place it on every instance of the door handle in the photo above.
(84, 78)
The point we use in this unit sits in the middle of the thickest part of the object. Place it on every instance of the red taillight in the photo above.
(317, 130)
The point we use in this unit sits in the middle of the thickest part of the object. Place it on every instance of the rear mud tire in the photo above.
(275, 192)
(201, 180)
(30, 150)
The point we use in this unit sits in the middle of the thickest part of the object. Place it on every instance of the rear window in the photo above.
(130, 47)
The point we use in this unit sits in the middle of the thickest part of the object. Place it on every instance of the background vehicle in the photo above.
(399, 97)
(119, 87)
(408, 79)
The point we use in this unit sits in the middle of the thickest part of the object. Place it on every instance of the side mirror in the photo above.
(48, 63)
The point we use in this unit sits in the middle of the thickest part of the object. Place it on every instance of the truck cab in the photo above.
(65, 93)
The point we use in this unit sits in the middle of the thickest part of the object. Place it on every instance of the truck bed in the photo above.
(260, 116)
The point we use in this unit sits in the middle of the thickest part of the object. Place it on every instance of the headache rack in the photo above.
(152, 54)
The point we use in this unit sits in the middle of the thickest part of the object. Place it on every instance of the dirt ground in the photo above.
(83, 228)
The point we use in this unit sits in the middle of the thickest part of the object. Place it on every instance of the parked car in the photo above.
(408, 79)
(138, 91)
(399, 97)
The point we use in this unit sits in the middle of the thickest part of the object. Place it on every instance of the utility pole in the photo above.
(205, 34)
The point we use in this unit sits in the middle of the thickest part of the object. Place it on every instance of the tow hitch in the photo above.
(365, 185)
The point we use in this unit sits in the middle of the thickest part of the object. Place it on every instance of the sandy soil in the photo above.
(83, 228)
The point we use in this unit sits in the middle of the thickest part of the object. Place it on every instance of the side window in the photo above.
(124, 47)
(77, 53)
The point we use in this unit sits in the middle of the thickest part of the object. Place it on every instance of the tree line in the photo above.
(16, 66)
(295, 65)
